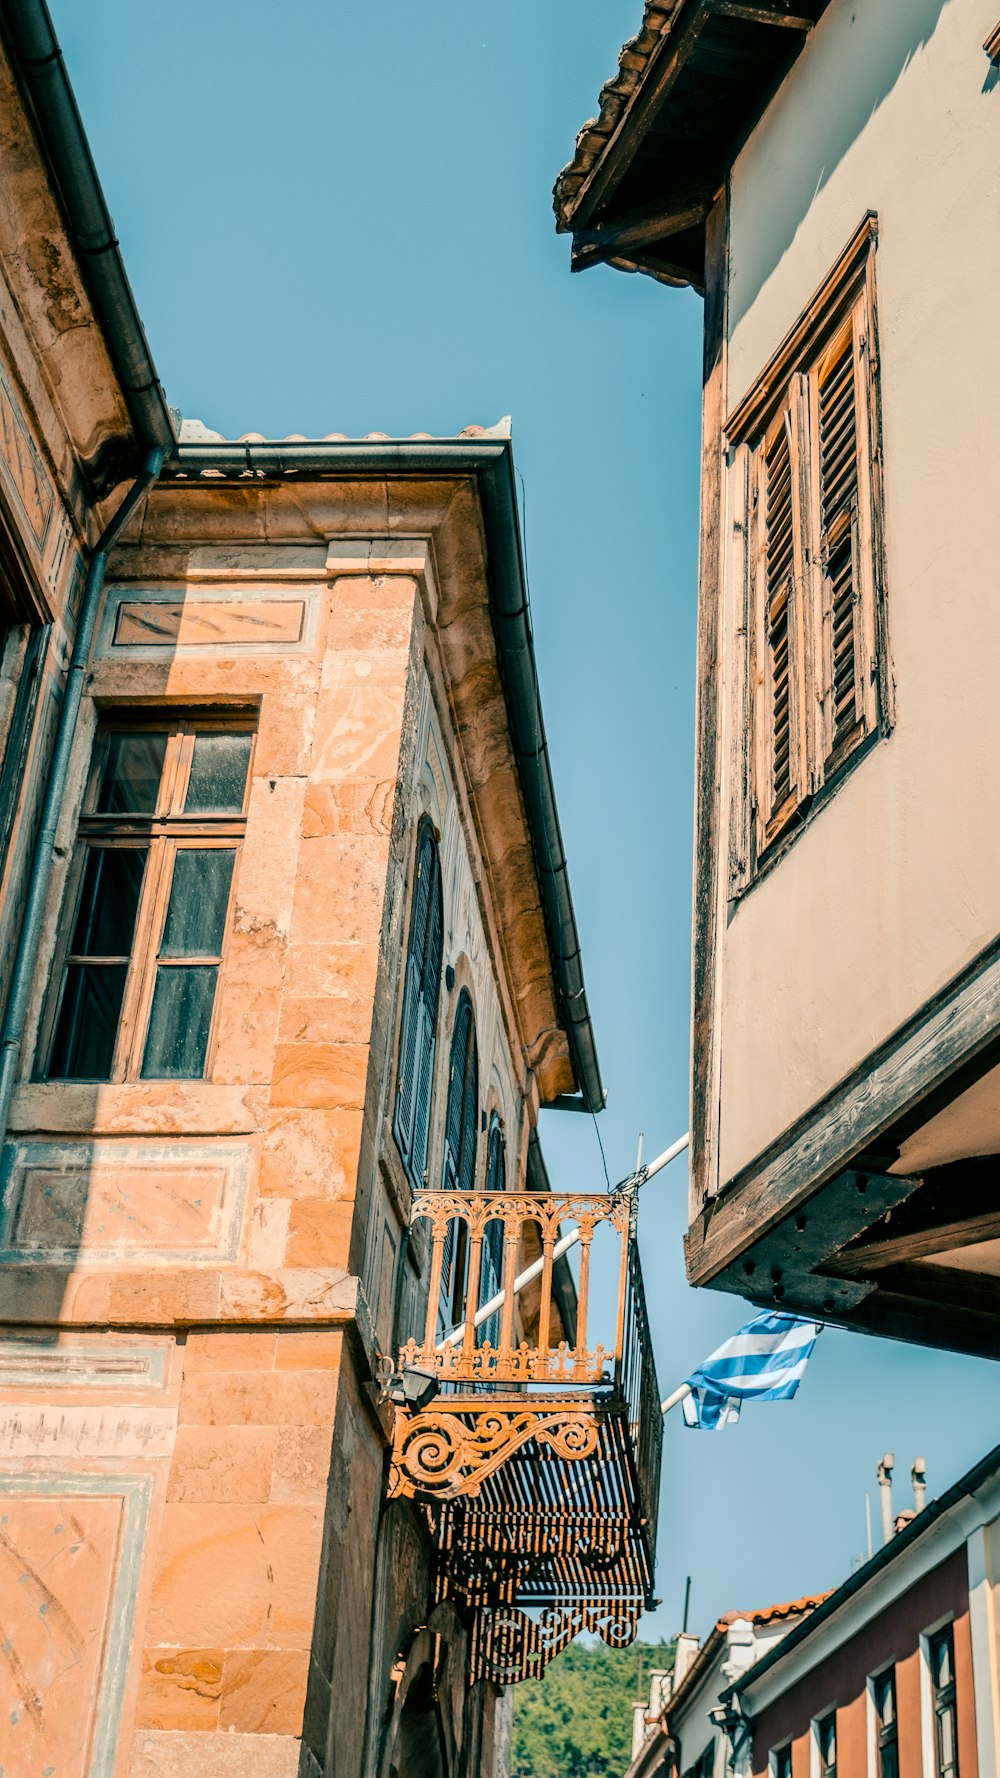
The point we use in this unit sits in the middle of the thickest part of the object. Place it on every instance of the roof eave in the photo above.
(491, 462)
(665, 239)
(40, 71)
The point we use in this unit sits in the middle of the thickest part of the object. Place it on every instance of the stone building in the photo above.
(825, 172)
(287, 940)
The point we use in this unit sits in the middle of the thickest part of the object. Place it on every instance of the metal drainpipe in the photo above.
(40, 874)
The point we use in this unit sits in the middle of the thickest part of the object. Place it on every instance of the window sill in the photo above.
(138, 1108)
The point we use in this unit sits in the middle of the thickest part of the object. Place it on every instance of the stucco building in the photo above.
(288, 952)
(824, 171)
(892, 1675)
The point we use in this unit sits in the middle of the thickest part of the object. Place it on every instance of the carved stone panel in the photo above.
(69, 1553)
(105, 1201)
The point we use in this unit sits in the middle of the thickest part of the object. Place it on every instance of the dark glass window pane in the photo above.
(942, 1661)
(109, 901)
(199, 897)
(218, 775)
(131, 777)
(177, 1042)
(885, 1700)
(84, 1043)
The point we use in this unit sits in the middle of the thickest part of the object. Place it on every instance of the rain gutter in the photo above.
(45, 88)
(490, 462)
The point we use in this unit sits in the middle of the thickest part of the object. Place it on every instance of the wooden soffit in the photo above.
(690, 88)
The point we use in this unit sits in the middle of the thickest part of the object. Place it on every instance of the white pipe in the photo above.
(562, 1246)
(523, 1278)
(678, 1395)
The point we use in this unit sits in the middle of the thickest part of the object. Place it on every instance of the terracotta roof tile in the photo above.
(633, 62)
(194, 431)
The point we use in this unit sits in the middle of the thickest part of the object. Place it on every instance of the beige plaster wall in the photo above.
(895, 885)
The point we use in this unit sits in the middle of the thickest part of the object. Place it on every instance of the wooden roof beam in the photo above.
(764, 12)
(685, 207)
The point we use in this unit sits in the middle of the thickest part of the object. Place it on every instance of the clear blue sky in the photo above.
(336, 217)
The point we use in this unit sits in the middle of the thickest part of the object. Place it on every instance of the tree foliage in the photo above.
(576, 1721)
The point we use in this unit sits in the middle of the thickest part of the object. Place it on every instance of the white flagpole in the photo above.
(563, 1246)
(679, 1395)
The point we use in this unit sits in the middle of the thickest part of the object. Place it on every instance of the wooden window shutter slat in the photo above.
(838, 503)
(779, 573)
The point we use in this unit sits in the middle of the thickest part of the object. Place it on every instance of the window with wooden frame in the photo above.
(826, 1745)
(886, 1724)
(781, 1761)
(941, 1660)
(813, 679)
(148, 901)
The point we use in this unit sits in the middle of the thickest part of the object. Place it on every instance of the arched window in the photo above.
(460, 1133)
(491, 1267)
(418, 1034)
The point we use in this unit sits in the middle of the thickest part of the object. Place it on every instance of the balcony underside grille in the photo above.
(537, 1465)
(561, 1538)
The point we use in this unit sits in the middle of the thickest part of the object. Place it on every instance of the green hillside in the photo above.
(576, 1721)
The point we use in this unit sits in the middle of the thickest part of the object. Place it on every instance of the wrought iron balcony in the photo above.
(538, 1461)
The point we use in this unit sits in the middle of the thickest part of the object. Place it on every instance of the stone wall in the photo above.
(199, 1276)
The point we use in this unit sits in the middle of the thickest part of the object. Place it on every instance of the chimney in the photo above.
(687, 1648)
(918, 1476)
(884, 1473)
(659, 1691)
(638, 1727)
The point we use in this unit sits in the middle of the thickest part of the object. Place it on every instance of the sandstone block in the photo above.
(311, 1154)
(362, 805)
(264, 1691)
(224, 1351)
(180, 1688)
(222, 1463)
(304, 1351)
(339, 888)
(256, 1398)
(358, 724)
(267, 1233)
(326, 1019)
(301, 1467)
(319, 1232)
(293, 1293)
(239, 1576)
(159, 1754)
(320, 1075)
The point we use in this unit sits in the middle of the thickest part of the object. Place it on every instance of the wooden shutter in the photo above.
(426, 1041)
(457, 1173)
(470, 1112)
(779, 569)
(779, 740)
(418, 1027)
(843, 663)
(491, 1267)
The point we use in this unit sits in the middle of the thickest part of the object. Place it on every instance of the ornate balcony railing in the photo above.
(538, 1460)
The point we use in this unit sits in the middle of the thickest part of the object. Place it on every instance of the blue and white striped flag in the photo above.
(763, 1362)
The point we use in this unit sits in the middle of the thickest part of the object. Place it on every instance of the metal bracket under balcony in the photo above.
(537, 1463)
